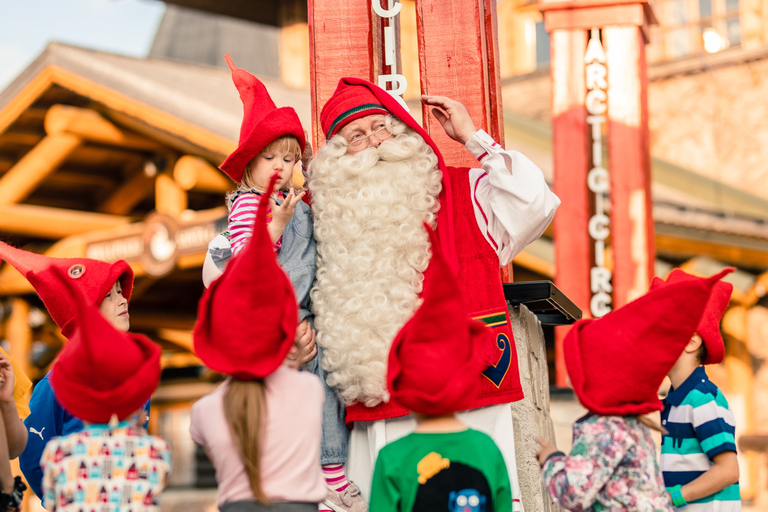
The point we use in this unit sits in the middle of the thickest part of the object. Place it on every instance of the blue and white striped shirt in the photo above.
(700, 426)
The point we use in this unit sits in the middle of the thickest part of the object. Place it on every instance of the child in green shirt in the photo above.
(434, 370)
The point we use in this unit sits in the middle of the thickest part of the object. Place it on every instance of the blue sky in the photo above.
(27, 26)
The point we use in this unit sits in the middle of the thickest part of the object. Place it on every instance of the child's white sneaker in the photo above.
(348, 500)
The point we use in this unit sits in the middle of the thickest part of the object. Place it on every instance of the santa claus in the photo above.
(374, 183)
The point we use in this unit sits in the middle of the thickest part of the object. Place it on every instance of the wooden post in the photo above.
(571, 163)
(630, 163)
(340, 44)
(459, 58)
(35, 166)
(170, 198)
(599, 80)
(20, 335)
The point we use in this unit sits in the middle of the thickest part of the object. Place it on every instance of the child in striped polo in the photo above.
(698, 454)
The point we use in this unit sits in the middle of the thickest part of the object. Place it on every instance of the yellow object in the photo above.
(430, 465)
(21, 388)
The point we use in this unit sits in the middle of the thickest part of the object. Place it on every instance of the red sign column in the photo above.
(599, 89)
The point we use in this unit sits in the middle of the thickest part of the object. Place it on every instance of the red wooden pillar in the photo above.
(629, 159)
(459, 58)
(585, 273)
(341, 44)
(571, 163)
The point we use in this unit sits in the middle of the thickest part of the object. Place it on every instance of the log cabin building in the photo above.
(114, 157)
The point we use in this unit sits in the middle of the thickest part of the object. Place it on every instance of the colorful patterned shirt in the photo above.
(700, 426)
(612, 466)
(105, 470)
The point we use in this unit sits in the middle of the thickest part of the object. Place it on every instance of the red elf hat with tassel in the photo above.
(262, 123)
(94, 278)
(437, 357)
(617, 363)
(247, 318)
(709, 325)
(101, 371)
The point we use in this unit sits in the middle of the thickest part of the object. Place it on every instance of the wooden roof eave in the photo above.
(13, 283)
(141, 117)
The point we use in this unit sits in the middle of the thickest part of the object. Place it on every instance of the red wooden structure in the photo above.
(619, 28)
(347, 38)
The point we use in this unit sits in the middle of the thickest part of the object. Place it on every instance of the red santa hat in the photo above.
(247, 318)
(436, 359)
(262, 123)
(709, 325)
(101, 371)
(355, 98)
(617, 363)
(94, 278)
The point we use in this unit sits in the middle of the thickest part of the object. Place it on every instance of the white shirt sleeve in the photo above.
(512, 202)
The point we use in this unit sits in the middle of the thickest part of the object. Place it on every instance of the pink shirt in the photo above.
(290, 461)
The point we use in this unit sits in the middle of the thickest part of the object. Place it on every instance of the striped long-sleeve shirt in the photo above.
(700, 426)
(241, 218)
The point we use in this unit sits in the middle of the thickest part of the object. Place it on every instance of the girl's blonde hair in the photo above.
(245, 409)
(287, 143)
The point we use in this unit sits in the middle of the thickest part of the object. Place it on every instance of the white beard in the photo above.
(372, 249)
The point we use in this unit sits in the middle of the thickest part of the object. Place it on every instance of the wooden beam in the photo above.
(680, 247)
(180, 129)
(179, 360)
(170, 198)
(23, 138)
(19, 335)
(35, 166)
(54, 223)
(129, 194)
(70, 179)
(192, 172)
(181, 338)
(144, 320)
(91, 126)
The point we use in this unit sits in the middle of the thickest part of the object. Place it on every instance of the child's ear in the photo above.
(694, 343)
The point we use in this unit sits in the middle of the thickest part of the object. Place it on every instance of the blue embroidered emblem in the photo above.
(498, 371)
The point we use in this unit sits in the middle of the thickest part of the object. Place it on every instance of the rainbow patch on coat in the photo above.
(492, 320)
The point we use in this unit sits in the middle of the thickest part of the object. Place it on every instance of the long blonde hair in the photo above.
(245, 409)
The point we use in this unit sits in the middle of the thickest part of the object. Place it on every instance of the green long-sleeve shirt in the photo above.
(446, 472)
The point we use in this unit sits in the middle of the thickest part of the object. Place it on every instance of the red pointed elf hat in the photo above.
(617, 363)
(247, 318)
(436, 359)
(95, 278)
(355, 98)
(101, 371)
(262, 123)
(709, 325)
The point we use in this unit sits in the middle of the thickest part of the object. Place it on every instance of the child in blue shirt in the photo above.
(698, 454)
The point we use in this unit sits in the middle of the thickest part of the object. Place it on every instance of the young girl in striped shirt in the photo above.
(272, 141)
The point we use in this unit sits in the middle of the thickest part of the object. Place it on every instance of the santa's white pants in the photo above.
(368, 437)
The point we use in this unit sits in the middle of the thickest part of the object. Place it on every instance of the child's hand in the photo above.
(282, 213)
(305, 342)
(545, 451)
(7, 379)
